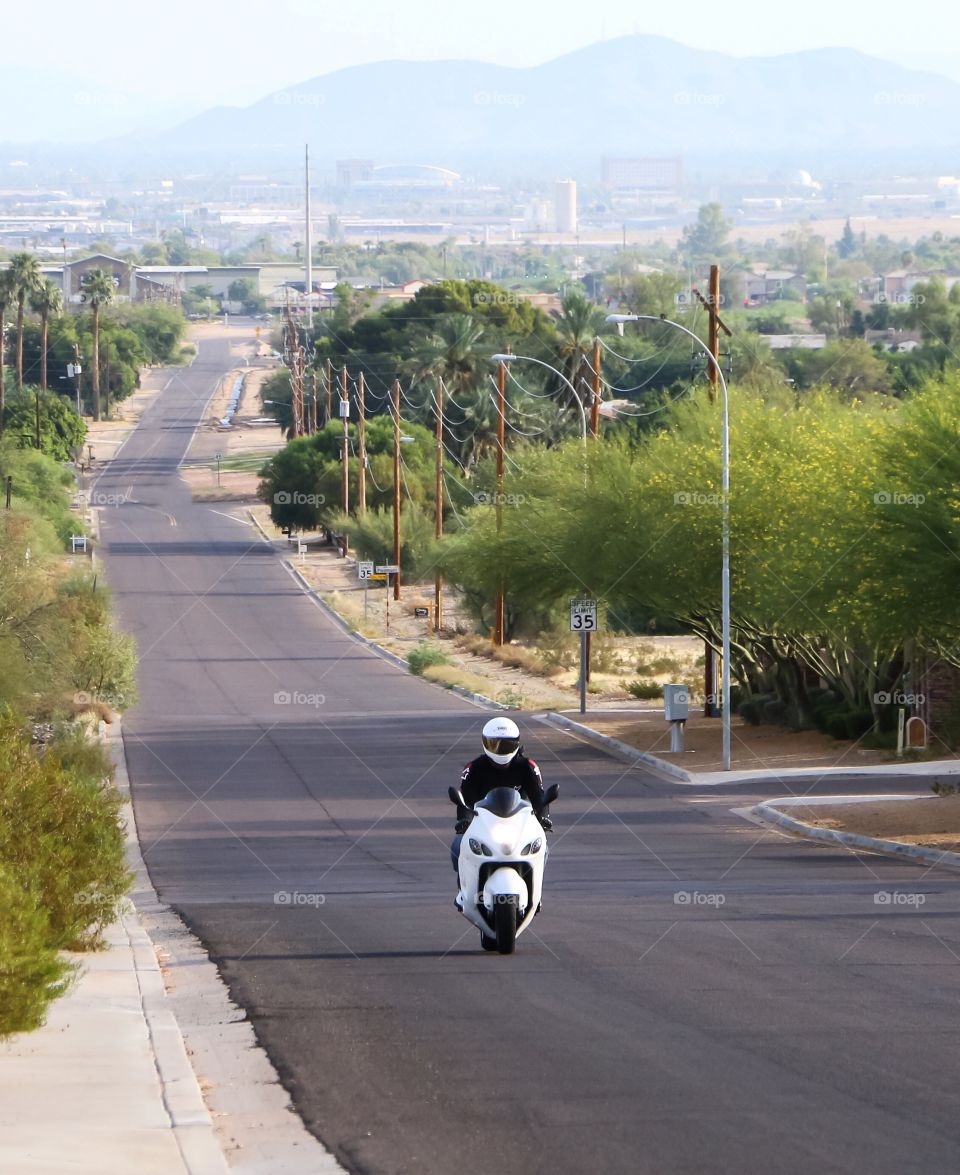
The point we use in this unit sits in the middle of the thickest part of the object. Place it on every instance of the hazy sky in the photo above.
(187, 54)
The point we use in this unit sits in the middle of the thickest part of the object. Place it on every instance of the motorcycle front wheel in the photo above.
(505, 923)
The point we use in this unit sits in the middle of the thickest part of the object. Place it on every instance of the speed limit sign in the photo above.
(583, 615)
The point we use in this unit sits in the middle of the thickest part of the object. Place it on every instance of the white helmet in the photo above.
(501, 740)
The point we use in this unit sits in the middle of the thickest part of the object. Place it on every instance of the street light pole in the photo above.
(438, 578)
(499, 608)
(503, 360)
(396, 488)
(725, 513)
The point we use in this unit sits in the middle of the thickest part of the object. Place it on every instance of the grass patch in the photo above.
(449, 675)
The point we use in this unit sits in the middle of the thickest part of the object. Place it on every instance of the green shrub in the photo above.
(60, 834)
(849, 724)
(32, 972)
(645, 689)
(751, 709)
(426, 654)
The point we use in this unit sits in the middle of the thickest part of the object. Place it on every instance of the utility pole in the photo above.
(438, 504)
(362, 410)
(498, 617)
(712, 307)
(308, 250)
(345, 415)
(595, 404)
(329, 390)
(396, 487)
(313, 400)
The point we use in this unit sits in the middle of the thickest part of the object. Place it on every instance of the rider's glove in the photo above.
(547, 823)
(461, 826)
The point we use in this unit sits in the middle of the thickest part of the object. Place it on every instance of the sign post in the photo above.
(364, 571)
(583, 620)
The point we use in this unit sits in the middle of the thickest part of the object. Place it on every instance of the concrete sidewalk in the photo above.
(109, 1084)
(105, 1086)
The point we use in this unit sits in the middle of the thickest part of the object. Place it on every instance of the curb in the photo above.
(477, 699)
(770, 811)
(620, 749)
(183, 1101)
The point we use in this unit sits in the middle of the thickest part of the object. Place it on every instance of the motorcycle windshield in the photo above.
(503, 802)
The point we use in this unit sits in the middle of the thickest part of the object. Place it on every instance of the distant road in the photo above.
(699, 994)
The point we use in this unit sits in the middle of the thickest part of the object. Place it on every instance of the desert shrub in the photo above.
(32, 971)
(645, 689)
(424, 655)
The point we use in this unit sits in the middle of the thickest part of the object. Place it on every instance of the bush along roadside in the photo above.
(62, 861)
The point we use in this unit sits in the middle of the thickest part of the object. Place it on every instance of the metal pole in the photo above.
(396, 488)
(308, 246)
(346, 443)
(583, 672)
(438, 507)
(362, 408)
(499, 611)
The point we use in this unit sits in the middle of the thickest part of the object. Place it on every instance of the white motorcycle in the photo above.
(502, 856)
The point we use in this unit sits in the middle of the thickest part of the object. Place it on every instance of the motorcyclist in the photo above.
(502, 764)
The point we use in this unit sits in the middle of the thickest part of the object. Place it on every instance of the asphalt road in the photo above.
(698, 995)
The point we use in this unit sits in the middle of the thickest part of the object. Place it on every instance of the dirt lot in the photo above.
(766, 747)
(929, 821)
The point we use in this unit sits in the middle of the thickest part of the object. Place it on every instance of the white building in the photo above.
(565, 205)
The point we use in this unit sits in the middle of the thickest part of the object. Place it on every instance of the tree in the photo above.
(580, 322)
(97, 289)
(49, 420)
(26, 278)
(847, 245)
(47, 300)
(8, 295)
(706, 241)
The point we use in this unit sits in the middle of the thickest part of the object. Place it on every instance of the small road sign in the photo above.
(421, 613)
(388, 569)
(377, 579)
(583, 615)
(365, 569)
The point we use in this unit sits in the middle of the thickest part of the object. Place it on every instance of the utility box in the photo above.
(676, 703)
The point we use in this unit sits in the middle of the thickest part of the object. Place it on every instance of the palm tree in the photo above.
(97, 289)
(27, 279)
(8, 295)
(579, 324)
(46, 301)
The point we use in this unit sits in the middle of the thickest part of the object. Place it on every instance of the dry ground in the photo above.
(928, 821)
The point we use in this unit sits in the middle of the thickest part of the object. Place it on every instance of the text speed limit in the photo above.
(583, 615)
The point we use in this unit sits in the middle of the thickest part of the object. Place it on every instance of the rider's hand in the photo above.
(547, 823)
(461, 826)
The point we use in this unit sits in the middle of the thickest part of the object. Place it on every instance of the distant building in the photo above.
(260, 190)
(768, 285)
(565, 206)
(808, 342)
(643, 174)
(354, 171)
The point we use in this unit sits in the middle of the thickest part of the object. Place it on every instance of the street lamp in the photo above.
(619, 319)
(558, 374)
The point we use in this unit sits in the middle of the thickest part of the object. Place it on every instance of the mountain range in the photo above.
(633, 95)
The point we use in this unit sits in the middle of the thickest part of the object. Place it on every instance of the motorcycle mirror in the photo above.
(551, 793)
(456, 797)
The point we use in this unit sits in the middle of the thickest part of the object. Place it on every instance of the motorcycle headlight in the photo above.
(533, 847)
(479, 849)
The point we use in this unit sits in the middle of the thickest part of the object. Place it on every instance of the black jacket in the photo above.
(482, 775)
